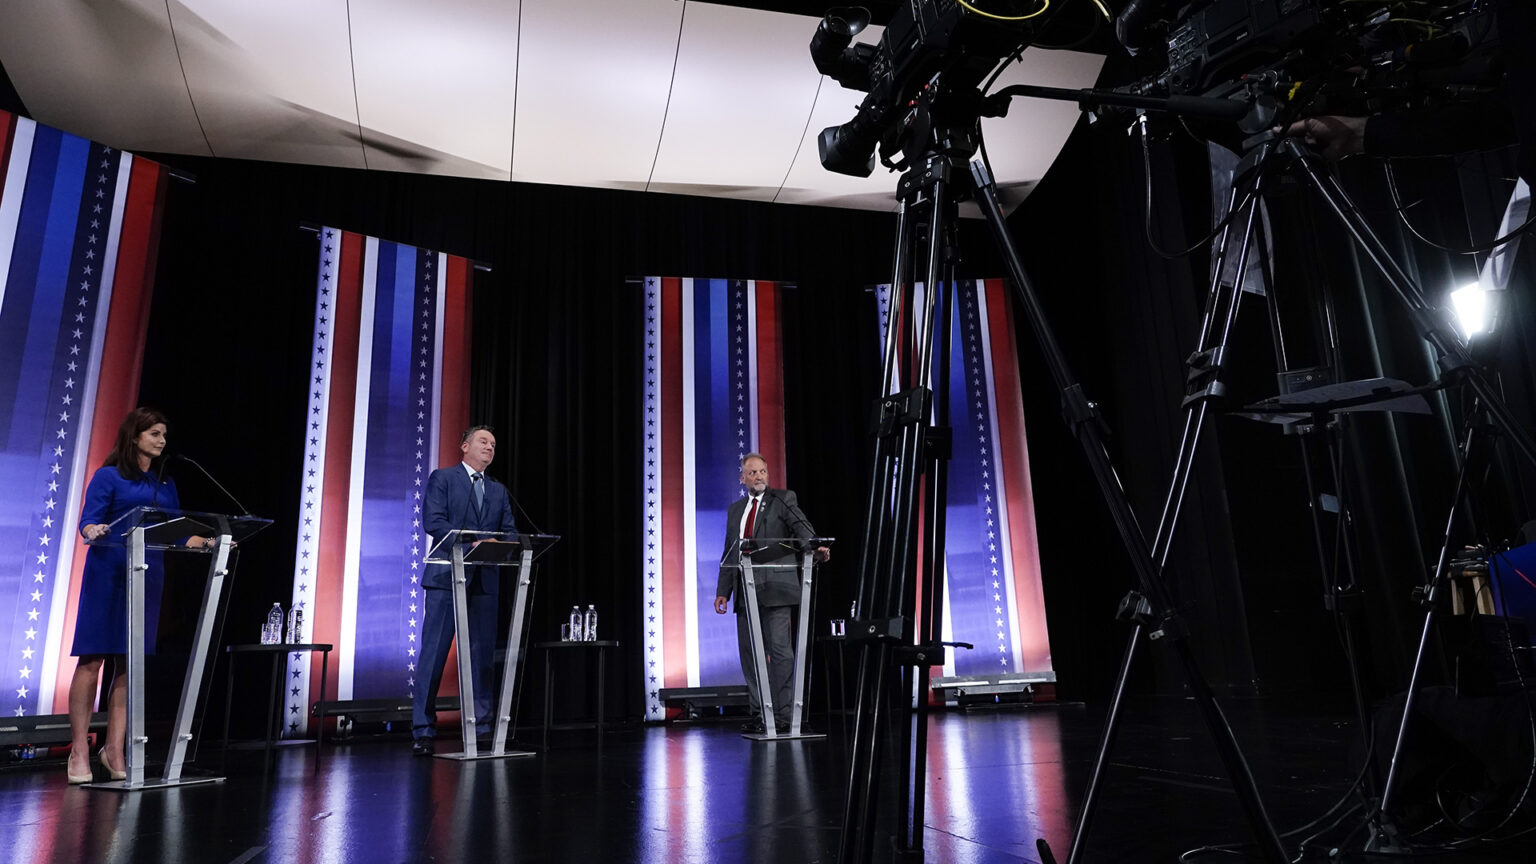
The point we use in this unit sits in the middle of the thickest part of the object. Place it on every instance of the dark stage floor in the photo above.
(703, 794)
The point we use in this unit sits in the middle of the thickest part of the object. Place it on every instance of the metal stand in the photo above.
(937, 181)
(760, 652)
(1385, 835)
(1457, 365)
(1205, 388)
(909, 470)
(1207, 364)
(511, 667)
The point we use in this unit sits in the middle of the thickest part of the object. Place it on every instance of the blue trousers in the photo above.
(436, 636)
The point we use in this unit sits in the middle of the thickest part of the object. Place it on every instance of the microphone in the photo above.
(154, 495)
(523, 513)
(204, 471)
(794, 511)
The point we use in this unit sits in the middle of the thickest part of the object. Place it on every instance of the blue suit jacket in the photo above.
(450, 506)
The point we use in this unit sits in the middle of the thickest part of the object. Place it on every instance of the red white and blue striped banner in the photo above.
(713, 392)
(993, 597)
(79, 229)
(388, 397)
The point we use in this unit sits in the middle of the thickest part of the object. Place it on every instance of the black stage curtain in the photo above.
(555, 358)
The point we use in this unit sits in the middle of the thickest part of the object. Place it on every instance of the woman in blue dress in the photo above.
(133, 476)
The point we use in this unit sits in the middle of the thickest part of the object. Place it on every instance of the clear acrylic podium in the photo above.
(498, 550)
(784, 556)
(139, 530)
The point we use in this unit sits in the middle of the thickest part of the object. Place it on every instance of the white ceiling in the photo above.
(658, 95)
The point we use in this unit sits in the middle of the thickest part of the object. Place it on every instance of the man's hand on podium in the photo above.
(822, 554)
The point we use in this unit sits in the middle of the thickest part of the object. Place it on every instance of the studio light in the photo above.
(1474, 309)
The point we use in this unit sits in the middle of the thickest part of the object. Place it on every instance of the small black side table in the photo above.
(839, 705)
(274, 717)
(601, 646)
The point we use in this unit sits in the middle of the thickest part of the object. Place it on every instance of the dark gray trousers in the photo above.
(778, 634)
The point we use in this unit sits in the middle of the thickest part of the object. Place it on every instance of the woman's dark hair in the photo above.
(125, 450)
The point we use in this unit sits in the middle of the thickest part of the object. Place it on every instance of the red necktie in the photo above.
(751, 518)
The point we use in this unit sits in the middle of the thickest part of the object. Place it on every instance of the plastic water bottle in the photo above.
(272, 631)
(578, 628)
(589, 624)
(296, 625)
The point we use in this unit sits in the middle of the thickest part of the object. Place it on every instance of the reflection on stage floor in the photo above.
(703, 794)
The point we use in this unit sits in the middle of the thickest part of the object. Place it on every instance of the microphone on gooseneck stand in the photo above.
(524, 513)
(193, 462)
(795, 513)
(154, 495)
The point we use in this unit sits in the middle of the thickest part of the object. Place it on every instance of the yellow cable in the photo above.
(1102, 8)
(1429, 27)
(1044, 5)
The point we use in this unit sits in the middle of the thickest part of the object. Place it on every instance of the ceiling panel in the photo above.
(665, 95)
(121, 83)
(593, 79)
(435, 84)
(744, 89)
(273, 80)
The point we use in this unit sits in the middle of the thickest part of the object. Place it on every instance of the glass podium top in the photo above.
(167, 528)
(497, 548)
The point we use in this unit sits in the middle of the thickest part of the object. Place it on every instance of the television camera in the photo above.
(1306, 57)
(924, 70)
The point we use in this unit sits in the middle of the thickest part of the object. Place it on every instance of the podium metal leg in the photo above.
(192, 684)
(133, 751)
(467, 719)
(802, 655)
(466, 664)
(759, 650)
(513, 664)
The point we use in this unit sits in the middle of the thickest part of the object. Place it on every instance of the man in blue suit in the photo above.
(459, 497)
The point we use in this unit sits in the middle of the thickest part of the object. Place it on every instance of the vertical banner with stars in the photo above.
(713, 392)
(79, 230)
(993, 596)
(388, 394)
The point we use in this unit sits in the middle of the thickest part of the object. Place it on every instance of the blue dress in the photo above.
(101, 618)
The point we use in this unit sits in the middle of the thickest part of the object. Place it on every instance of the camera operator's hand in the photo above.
(1331, 135)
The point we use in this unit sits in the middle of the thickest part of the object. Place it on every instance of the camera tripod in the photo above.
(1205, 387)
(1457, 368)
(908, 484)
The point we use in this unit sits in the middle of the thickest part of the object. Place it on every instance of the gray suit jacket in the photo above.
(778, 515)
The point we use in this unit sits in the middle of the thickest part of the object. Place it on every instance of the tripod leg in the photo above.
(1106, 743)
(876, 656)
(1084, 422)
(1384, 834)
(1339, 595)
(1344, 595)
(889, 546)
(929, 587)
(1221, 306)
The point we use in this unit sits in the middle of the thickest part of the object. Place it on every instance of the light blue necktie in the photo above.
(479, 490)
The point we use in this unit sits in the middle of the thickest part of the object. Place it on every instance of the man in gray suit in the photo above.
(765, 513)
